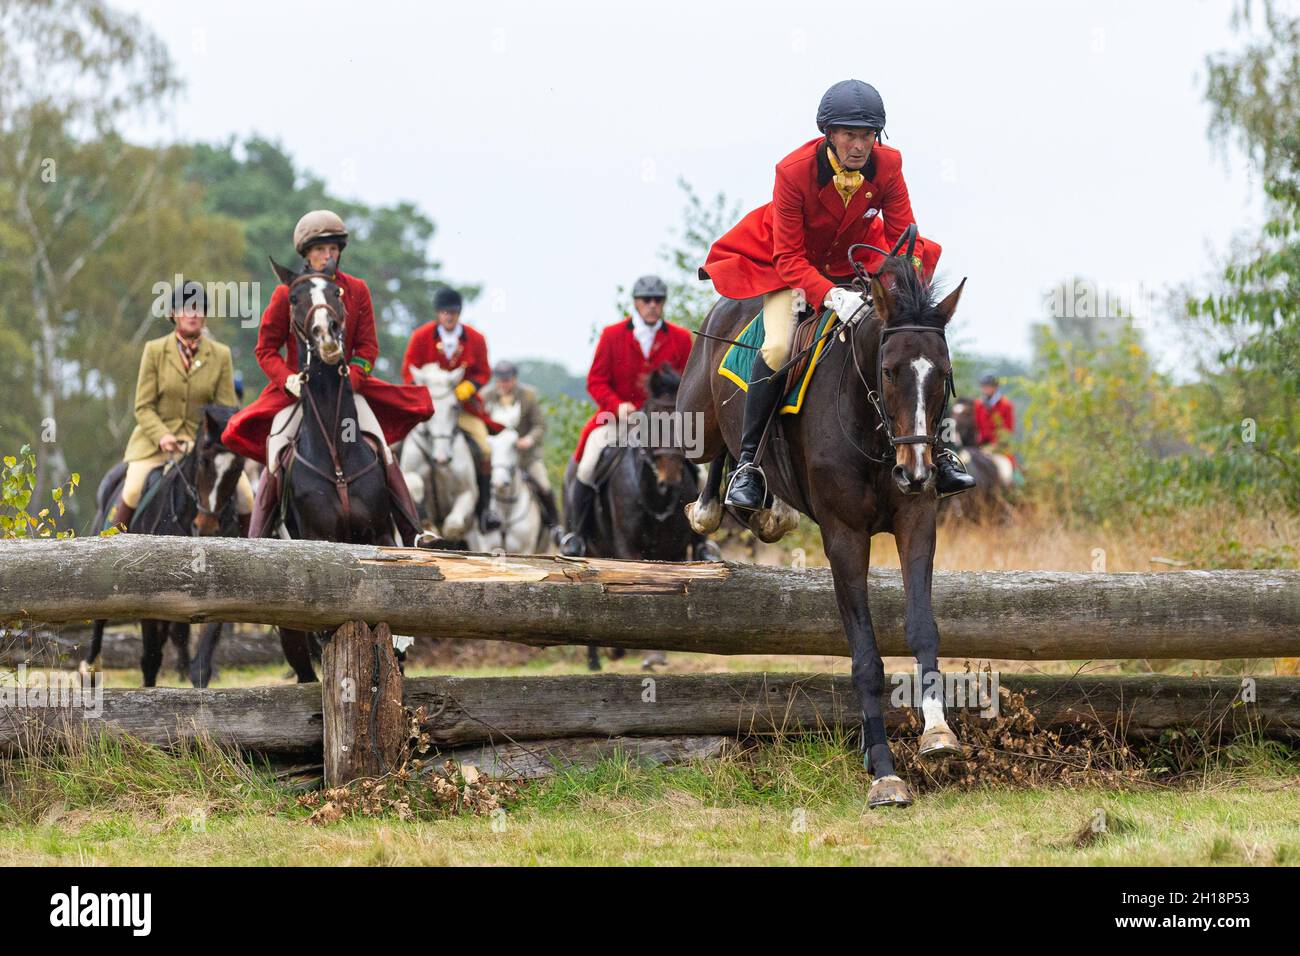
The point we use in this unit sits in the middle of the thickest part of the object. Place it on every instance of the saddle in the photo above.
(810, 329)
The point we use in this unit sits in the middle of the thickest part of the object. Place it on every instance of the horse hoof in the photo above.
(708, 551)
(940, 743)
(704, 519)
(427, 539)
(889, 791)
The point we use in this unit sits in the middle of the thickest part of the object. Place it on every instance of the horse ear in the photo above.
(283, 273)
(883, 300)
(949, 304)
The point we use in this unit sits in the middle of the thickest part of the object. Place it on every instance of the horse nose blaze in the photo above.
(915, 458)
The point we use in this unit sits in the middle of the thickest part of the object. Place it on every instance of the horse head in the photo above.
(963, 419)
(317, 313)
(216, 470)
(441, 384)
(913, 368)
(665, 440)
(505, 456)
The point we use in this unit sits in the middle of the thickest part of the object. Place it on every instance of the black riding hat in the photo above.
(187, 294)
(447, 298)
(851, 103)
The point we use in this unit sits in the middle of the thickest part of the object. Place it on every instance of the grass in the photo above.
(793, 802)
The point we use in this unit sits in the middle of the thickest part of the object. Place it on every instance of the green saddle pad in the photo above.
(736, 361)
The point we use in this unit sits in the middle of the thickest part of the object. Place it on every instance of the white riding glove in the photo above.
(293, 385)
(845, 302)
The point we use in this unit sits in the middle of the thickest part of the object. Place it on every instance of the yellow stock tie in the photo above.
(847, 181)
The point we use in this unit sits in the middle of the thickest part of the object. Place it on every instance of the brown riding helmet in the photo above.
(319, 225)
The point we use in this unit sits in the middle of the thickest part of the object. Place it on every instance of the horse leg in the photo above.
(593, 657)
(705, 512)
(152, 637)
(201, 670)
(848, 550)
(297, 651)
(914, 530)
(92, 653)
(179, 631)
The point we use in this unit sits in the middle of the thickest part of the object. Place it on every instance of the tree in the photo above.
(689, 297)
(70, 71)
(257, 184)
(1254, 94)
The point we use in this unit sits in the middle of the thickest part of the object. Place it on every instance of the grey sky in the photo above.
(1040, 140)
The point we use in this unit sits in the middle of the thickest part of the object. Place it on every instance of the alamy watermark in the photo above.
(225, 300)
(975, 690)
(684, 430)
(20, 688)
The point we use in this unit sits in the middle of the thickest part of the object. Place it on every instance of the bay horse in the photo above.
(639, 510)
(335, 486)
(857, 460)
(194, 496)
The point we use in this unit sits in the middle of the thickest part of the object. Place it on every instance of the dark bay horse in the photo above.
(194, 496)
(335, 484)
(857, 460)
(639, 512)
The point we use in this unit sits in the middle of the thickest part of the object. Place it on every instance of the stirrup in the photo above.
(740, 470)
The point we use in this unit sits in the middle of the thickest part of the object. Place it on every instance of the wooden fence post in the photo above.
(361, 700)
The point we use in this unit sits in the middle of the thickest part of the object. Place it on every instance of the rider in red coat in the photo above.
(450, 344)
(994, 414)
(830, 193)
(385, 411)
(627, 354)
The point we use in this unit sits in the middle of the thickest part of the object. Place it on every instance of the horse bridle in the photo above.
(340, 479)
(874, 392)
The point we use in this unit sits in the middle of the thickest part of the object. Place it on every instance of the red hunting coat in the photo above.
(801, 239)
(619, 371)
(991, 420)
(471, 352)
(399, 408)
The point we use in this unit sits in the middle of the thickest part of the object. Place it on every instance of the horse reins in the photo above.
(339, 478)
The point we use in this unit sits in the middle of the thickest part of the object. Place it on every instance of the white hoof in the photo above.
(704, 519)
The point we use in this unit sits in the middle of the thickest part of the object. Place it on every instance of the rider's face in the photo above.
(651, 310)
(189, 321)
(505, 385)
(448, 318)
(852, 145)
(988, 390)
(320, 254)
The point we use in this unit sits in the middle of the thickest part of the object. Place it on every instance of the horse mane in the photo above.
(663, 383)
(914, 298)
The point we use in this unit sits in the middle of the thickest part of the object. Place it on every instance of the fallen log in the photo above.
(712, 607)
(464, 711)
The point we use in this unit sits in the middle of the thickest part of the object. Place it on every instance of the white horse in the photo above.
(436, 457)
(512, 499)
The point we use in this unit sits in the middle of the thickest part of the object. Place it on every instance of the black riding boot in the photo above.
(950, 475)
(488, 519)
(748, 488)
(582, 500)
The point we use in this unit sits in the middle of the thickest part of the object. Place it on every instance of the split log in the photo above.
(464, 711)
(719, 608)
(361, 703)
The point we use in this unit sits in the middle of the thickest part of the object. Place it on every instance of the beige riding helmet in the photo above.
(319, 224)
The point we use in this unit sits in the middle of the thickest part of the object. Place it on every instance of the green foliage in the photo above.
(565, 417)
(1099, 420)
(1254, 95)
(17, 487)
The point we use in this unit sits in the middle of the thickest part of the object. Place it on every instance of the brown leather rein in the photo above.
(340, 479)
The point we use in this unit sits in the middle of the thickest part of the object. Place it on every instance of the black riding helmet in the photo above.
(447, 298)
(851, 103)
(187, 294)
